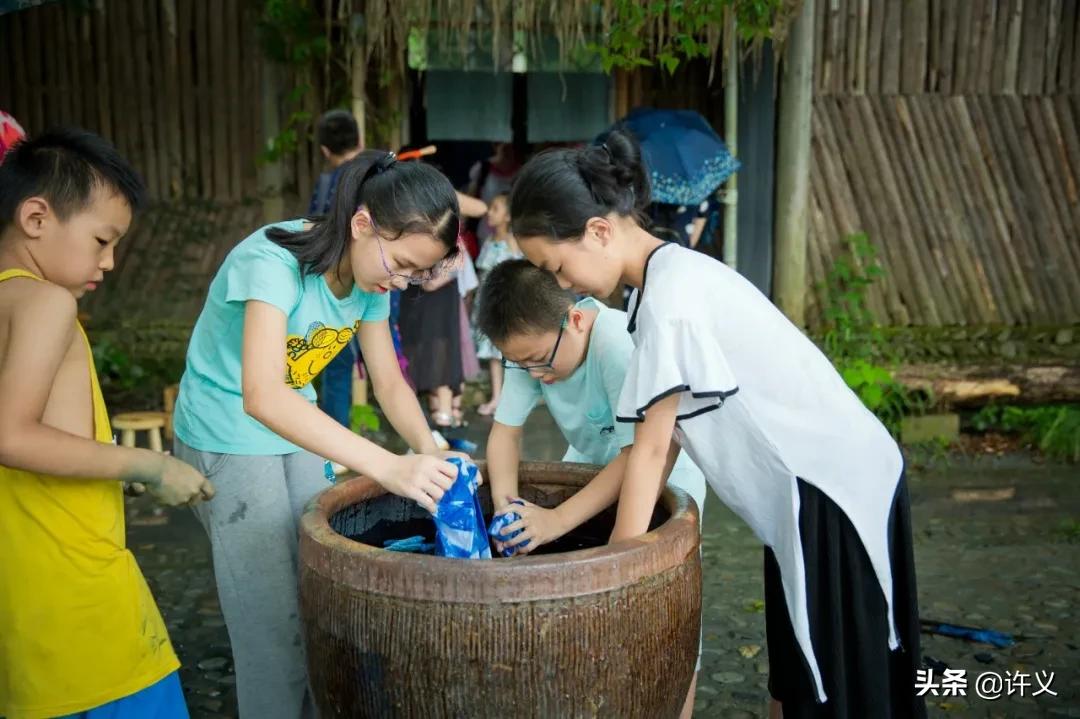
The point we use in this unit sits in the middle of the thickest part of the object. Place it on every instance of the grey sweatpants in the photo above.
(252, 523)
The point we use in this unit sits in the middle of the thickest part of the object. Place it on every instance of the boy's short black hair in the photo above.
(338, 131)
(519, 298)
(64, 165)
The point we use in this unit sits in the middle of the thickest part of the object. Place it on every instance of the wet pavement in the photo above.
(996, 544)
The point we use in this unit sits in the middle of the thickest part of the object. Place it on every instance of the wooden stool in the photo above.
(131, 422)
(169, 396)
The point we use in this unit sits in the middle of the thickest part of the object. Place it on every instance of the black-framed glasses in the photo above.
(545, 366)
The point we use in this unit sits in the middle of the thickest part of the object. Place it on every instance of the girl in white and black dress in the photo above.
(780, 437)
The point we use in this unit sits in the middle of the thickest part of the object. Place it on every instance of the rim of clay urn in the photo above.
(425, 577)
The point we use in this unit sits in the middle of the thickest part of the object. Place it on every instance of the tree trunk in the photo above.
(953, 386)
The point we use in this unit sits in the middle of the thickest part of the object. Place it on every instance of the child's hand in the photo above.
(539, 525)
(463, 456)
(422, 478)
(178, 483)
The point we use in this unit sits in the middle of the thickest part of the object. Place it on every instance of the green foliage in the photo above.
(365, 420)
(683, 28)
(133, 375)
(852, 340)
(1054, 429)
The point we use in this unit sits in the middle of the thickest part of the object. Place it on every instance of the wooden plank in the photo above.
(1075, 74)
(1012, 48)
(942, 306)
(171, 155)
(125, 124)
(1002, 13)
(1053, 45)
(1017, 203)
(962, 49)
(975, 204)
(86, 84)
(851, 46)
(1065, 68)
(1017, 235)
(1033, 48)
(66, 32)
(7, 59)
(867, 188)
(820, 40)
(1069, 127)
(32, 40)
(204, 119)
(144, 97)
(20, 97)
(251, 129)
(102, 74)
(949, 31)
(874, 51)
(159, 39)
(906, 154)
(232, 11)
(1029, 192)
(861, 70)
(1049, 147)
(908, 230)
(1003, 253)
(834, 58)
(840, 206)
(945, 164)
(890, 51)
(913, 74)
(986, 47)
(188, 98)
(1061, 128)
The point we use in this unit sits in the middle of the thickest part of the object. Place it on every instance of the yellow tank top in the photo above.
(78, 625)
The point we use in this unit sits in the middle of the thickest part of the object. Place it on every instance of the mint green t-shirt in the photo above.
(209, 413)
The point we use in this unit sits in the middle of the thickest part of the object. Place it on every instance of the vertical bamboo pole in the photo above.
(793, 168)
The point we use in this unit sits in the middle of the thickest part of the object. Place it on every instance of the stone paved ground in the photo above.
(1007, 563)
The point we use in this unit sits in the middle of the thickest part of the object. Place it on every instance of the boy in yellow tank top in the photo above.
(80, 634)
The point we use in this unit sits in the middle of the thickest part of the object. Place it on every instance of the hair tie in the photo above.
(386, 162)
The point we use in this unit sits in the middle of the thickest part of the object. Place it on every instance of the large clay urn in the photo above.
(610, 631)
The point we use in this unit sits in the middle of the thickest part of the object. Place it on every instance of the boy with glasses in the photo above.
(574, 355)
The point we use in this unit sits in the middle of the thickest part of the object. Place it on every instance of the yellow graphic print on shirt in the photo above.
(305, 357)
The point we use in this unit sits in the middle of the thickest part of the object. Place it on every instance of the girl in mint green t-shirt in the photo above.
(285, 301)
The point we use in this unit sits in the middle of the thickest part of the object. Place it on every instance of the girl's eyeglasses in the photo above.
(417, 277)
(545, 366)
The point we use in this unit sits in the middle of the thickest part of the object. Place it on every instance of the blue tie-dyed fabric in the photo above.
(499, 523)
(459, 522)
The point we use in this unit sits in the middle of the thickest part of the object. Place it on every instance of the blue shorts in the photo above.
(162, 700)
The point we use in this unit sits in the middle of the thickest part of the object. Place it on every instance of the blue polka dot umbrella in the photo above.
(685, 158)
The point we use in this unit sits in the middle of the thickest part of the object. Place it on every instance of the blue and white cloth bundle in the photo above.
(504, 520)
(459, 522)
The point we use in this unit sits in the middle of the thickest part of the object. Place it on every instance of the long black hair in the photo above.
(402, 197)
(557, 191)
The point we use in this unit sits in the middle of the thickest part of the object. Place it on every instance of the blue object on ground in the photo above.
(459, 521)
(998, 639)
(462, 445)
(502, 521)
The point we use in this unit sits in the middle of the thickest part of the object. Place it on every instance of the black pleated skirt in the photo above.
(849, 625)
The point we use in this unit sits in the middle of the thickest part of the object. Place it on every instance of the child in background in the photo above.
(780, 437)
(339, 142)
(498, 248)
(574, 356)
(79, 629)
(284, 303)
